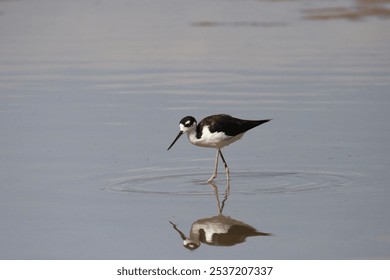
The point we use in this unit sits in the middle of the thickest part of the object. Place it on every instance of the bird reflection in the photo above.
(219, 230)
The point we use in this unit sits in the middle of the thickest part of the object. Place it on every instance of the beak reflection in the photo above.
(219, 230)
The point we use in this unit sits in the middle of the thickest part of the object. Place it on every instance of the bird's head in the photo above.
(186, 124)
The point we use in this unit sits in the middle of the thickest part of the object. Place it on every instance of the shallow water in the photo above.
(91, 94)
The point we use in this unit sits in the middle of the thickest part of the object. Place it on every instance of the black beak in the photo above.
(174, 141)
(178, 230)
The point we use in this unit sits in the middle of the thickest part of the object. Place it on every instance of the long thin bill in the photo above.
(178, 230)
(174, 141)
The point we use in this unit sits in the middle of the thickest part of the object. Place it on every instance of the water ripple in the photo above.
(186, 182)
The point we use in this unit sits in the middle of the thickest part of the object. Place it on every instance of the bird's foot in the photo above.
(212, 178)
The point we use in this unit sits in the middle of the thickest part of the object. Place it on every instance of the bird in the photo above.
(215, 131)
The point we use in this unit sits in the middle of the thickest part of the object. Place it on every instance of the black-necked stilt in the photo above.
(219, 230)
(216, 131)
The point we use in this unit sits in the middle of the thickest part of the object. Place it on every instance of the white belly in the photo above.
(213, 140)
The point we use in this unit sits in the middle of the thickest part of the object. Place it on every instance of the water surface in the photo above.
(91, 94)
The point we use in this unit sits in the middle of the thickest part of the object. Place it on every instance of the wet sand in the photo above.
(91, 94)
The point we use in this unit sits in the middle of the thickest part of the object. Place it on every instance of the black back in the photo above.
(229, 125)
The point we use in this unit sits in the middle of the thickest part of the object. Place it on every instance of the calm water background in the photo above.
(91, 93)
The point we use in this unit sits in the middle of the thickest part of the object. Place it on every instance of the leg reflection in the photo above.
(218, 230)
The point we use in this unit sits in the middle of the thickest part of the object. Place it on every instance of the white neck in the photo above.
(191, 134)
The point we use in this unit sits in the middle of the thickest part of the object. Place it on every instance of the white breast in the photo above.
(212, 140)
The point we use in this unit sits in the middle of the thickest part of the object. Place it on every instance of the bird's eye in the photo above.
(187, 123)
